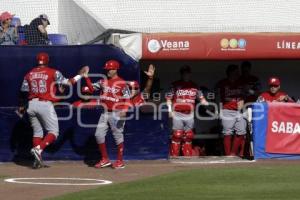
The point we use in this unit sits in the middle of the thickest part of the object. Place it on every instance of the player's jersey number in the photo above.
(39, 86)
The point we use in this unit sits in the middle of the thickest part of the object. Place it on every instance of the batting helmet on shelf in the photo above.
(42, 58)
(112, 65)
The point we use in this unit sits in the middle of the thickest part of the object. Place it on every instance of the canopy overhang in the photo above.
(209, 46)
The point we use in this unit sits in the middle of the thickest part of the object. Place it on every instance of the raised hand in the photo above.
(150, 72)
(84, 71)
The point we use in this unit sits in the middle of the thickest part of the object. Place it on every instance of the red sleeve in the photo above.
(89, 84)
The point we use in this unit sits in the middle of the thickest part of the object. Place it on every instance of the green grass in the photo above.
(236, 183)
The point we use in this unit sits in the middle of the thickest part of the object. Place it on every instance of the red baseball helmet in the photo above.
(134, 85)
(112, 65)
(42, 58)
(274, 81)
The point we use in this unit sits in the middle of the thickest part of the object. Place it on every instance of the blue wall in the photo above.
(145, 139)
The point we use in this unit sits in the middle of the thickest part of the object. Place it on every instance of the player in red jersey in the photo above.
(230, 95)
(274, 94)
(181, 102)
(137, 97)
(115, 98)
(39, 88)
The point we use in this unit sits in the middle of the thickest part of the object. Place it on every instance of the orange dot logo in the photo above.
(224, 43)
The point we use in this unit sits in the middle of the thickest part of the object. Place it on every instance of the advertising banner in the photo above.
(220, 46)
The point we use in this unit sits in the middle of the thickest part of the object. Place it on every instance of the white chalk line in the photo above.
(23, 181)
(213, 162)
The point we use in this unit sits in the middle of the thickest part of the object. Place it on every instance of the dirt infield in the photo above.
(134, 170)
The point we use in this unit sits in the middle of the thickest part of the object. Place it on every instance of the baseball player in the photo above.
(181, 102)
(137, 97)
(230, 95)
(274, 94)
(251, 84)
(115, 98)
(39, 88)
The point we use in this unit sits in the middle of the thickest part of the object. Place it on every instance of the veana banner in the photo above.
(220, 46)
(283, 131)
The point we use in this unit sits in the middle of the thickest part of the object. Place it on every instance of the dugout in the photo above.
(206, 73)
(209, 54)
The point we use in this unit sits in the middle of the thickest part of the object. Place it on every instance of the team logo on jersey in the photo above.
(232, 92)
(113, 90)
(185, 92)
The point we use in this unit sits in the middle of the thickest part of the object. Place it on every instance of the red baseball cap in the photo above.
(274, 81)
(6, 15)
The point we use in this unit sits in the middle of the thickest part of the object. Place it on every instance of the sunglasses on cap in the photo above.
(274, 86)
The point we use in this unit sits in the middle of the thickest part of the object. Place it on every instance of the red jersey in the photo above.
(41, 82)
(183, 95)
(114, 93)
(269, 97)
(230, 93)
(138, 100)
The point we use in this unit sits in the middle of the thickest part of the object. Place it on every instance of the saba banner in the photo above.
(276, 130)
